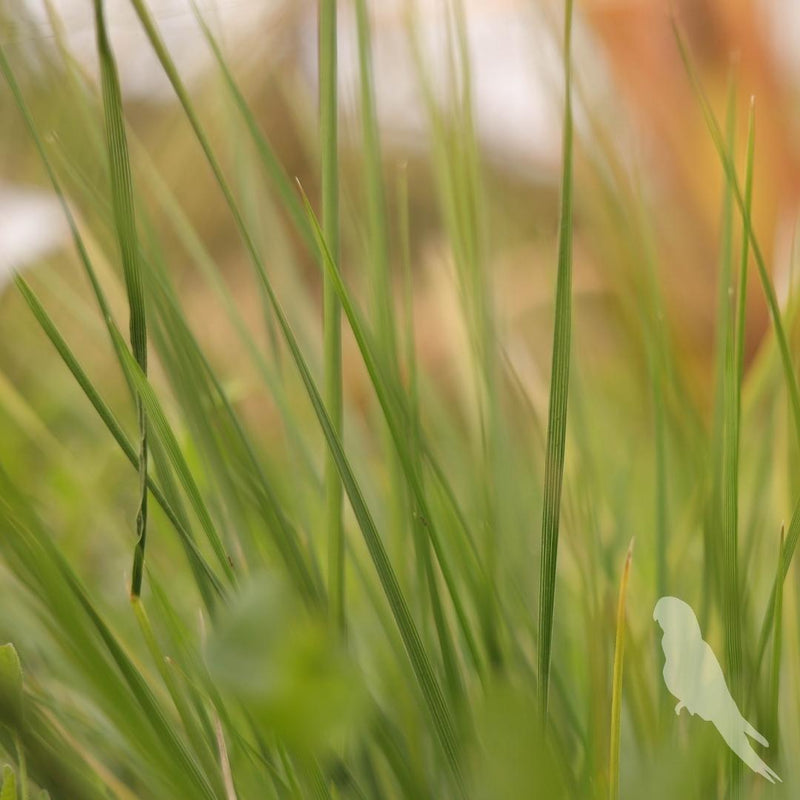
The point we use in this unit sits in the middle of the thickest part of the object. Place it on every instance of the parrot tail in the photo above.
(754, 734)
(769, 773)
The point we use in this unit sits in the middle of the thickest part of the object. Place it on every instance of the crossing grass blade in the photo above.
(125, 227)
(224, 438)
(209, 583)
(559, 390)
(396, 416)
(375, 357)
(616, 691)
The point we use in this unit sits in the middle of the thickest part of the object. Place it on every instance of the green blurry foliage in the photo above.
(10, 687)
(282, 662)
(511, 757)
(9, 790)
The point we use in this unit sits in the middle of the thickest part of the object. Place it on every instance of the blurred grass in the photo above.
(223, 678)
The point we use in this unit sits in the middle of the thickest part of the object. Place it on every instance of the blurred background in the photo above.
(636, 113)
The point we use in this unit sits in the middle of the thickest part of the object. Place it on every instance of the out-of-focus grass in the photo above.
(222, 676)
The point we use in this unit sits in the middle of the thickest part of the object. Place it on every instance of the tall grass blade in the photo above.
(125, 226)
(730, 172)
(616, 691)
(787, 553)
(777, 646)
(559, 390)
(726, 452)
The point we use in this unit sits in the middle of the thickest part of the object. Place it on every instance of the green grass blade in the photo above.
(191, 725)
(233, 455)
(741, 292)
(787, 553)
(763, 274)
(379, 270)
(559, 389)
(375, 193)
(125, 226)
(777, 645)
(94, 648)
(616, 691)
(280, 180)
(331, 321)
(399, 424)
(115, 429)
(726, 452)
(161, 427)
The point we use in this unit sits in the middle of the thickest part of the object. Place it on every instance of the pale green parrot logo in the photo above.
(693, 674)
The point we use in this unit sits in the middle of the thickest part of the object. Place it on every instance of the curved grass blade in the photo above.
(125, 227)
(559, 390)
(616, 691)
(161, 427)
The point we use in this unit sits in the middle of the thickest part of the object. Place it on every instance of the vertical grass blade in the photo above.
(616, 691)
(332, 329)
(766, 283)
(726, 452)
(125, 226)
(787, 553)
(777, 645)
(741, 292)
(559, 389)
